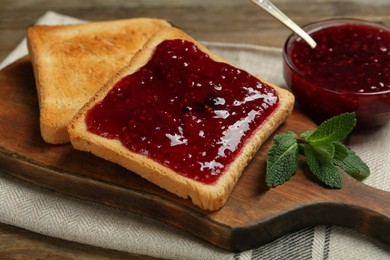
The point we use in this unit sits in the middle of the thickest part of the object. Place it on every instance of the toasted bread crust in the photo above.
(208, 197)
(71, 62)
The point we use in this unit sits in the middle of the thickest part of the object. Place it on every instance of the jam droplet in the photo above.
(184, 110)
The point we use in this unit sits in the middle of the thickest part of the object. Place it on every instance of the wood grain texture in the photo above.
(219, 20)
(253, 215)
(17, 243)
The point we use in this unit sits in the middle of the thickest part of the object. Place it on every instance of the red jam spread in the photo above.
(184, 110)
(350, 63)
(354, 58)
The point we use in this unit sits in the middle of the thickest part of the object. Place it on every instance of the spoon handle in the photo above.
(275, 12)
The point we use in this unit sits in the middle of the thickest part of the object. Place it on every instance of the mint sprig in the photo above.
(325, 153)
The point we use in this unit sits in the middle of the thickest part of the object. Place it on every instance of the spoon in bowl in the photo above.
(275, 12)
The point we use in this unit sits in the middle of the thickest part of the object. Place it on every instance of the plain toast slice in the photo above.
(208, 196)
(71, 62)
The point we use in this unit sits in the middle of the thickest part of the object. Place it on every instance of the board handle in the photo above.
(368, 208)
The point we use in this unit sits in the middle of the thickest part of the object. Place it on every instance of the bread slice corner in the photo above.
(71, 62)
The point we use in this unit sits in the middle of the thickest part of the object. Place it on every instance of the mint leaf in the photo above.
(325, 154)
(305, 135)
(346, 159)
(335, 129)
(325, 172)
(282, 159)
(324, 151)
(340, 152)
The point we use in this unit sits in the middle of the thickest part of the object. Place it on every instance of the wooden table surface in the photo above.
(218, 20)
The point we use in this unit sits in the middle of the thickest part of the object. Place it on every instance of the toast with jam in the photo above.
(71, 62)
(182, 118)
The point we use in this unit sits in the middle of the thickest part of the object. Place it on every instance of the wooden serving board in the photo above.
(253, 215)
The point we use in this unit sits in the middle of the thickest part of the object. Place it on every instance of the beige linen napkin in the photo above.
(56, 215)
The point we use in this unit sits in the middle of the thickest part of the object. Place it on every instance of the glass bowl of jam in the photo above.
(348, 71)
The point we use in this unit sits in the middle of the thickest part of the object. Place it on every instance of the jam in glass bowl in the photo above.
(348, 71)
